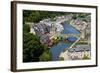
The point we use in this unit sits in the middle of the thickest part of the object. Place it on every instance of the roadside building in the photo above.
(79, 51)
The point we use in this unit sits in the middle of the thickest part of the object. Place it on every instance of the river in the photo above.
(61, 46)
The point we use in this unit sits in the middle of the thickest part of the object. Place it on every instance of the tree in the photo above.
(85, 57)
(45, 56)
(26, 28)
(32, 48)
(36, 16)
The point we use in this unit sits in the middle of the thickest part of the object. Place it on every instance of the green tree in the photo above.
(36, 16)
(26, 28)
(45, 56)
(85, 57)
(32, 48)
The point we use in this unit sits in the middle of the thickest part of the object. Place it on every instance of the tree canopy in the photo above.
(36, 16)
(32, 48)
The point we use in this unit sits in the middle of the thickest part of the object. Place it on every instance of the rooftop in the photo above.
(80, 48)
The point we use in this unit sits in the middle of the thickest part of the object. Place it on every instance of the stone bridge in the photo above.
(69, 35)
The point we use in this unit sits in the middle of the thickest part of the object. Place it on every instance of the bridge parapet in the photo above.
(69, 35)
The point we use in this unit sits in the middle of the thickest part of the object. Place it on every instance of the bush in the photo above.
(61, 59)
(85, 57)
(26, 28)
(45, 56)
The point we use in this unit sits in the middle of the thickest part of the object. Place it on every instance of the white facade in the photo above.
(32, 31)
(59, 27)
(79, 55)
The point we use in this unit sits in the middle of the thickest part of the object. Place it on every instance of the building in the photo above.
(83, 34)
(79, 51)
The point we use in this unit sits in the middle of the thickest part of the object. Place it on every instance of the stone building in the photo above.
(79, 51)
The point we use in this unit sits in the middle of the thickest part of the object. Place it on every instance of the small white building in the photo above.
(59, 27)
(32, 30)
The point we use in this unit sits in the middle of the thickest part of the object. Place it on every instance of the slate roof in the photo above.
(80, 48)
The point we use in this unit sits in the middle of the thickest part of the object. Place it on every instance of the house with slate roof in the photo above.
(79, 51)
